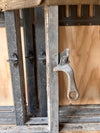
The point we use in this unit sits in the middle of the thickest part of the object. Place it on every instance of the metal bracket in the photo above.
(65, 67)
(14, 59)
(30, 57)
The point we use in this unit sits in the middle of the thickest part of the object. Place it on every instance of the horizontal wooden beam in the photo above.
(24, 129)
(18, 4)
(70, 113)
(80, 127)
(44, 128)
(8, 118)
(37, 121)
(81, 119)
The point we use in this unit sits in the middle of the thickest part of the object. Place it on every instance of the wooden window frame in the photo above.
(51, 35)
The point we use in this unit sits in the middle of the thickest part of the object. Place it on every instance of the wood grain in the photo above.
(83, 132)
(24, 129)
(84, 45)
(12, 23)
(30, 63)
(51, 39)
(6, 97)
(18, 4)
(79, 127)
(41, 59)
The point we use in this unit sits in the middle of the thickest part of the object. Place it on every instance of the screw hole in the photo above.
(72, 95)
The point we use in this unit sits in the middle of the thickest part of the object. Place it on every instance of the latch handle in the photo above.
(72, 92)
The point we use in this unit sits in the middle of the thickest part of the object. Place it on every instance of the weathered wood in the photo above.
(41, 59)
(18, 4)
(8, 118)
(79, 110)
(80, 107)
(38, 121)
(85, 119)
(29, 59)
(69, 2)
(71, 114)
(43, 128)
(80, 127)
(2, 19)
(71, 110)
(83, 112)
(9, 121)
(2, 23)
(12, 22)
(51, 33)
(24, 129)
(7, 108)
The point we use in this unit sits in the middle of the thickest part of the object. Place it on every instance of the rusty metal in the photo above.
(13, 59)
(72, 92)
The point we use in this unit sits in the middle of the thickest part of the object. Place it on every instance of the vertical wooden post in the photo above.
(12, 22)
(30, 55)
(41, 59)
(67, 11)
(51, 33)
(79, 12)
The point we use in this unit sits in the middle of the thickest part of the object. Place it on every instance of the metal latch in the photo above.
(72, 92)
(14, 59)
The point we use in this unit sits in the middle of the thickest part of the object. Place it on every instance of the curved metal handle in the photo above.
(65, 67)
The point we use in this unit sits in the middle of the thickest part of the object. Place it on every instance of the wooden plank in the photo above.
(8, 118)
(79, 107)
(69, 2)
(63, 127)
(91, 11)
(41, 59)
(67, 11)
(79, 13)
(7, 108)
(85, 119)
(51, 34)
(38, 121)
(18, 4)
(72, 110)
(2, 22)
(88, 112)
(69, 116)
(80, 127)
(12, 22)
(6, 96)
(43, 128)
(79, 110)
(29, 59)
(24, 129)
(84, 59)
